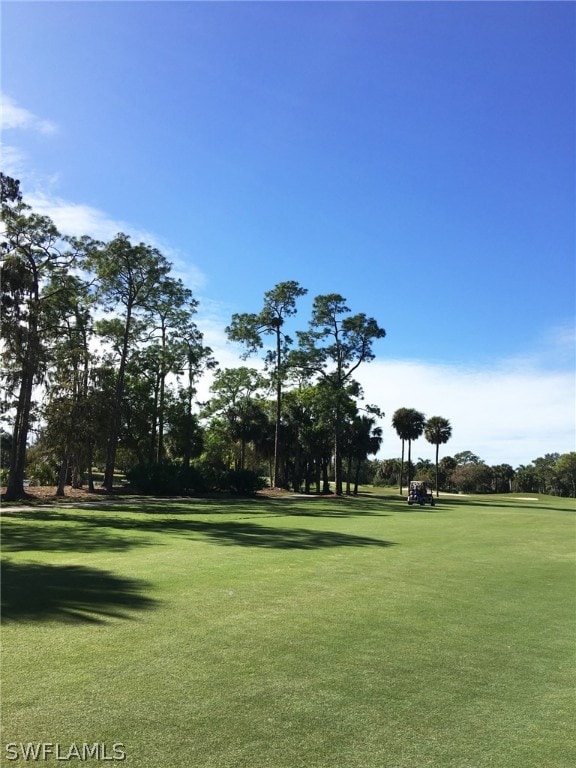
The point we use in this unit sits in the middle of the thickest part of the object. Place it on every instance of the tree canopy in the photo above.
(102, 359)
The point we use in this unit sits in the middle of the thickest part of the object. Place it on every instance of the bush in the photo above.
(176, 480)
(165, 479)
(160, 479)
(42, 473)
(243, 482)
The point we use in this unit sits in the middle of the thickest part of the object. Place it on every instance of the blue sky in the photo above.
(416, 157)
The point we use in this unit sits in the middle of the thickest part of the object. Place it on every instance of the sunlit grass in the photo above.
(292, 632)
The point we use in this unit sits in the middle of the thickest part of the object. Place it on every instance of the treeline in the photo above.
(553, 474)
(102, 359)
(101, 362)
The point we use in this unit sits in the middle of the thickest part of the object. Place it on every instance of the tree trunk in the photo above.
(357, 477)
(188, 441)
(402, 468)
(160, 451)
(298, 471)
(318, 463)
(63, 472)
(15, 485)
(76, 476)
(116, 410)
(348, 475)
(153, 443)
(277, 480)
(325, 482)
(90, 462)
(160, 415)
(337, 456)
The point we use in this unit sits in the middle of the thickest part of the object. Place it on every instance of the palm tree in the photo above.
(409, 425)
(504, 473)
(364, 439)
(438, 431)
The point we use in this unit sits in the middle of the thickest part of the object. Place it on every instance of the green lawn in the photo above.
(288, 633)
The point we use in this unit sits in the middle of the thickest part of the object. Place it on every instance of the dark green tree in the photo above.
(545, 467)
(185, 438)
(10, 192)
(195, 359)
(437, 431)
(249, 329)
(333, 348)
(502, 476)
(466, 457)
(566, 471)
(239, 403)
(365, 439)
(66, 413)
(409, 425)
(128, 278)
(472, 477)
(31, 254)
(526, 479)
(138, 433)
(309, 417)
(387, 471)
(447, 465)
(169, 311)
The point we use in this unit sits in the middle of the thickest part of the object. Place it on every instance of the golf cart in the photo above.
(420, 493)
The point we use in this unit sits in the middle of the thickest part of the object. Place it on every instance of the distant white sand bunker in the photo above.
(526, 498)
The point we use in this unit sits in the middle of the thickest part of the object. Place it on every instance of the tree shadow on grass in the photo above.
(309, 506)
(223, 532)
(69, 593)
(59, 536)
(338, 507)
(511, 504)
(267, 537)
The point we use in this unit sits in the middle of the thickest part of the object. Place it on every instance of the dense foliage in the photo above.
(101, 361)
(553, 474)
(169, 479)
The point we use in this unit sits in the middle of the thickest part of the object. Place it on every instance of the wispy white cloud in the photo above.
(74, 218)
(13, 116)
(212, 319)
(13, 160)
(507, 413)
(77, 219)
(510, 412)
(16, 119)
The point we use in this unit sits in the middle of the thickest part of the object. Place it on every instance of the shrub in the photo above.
(166, 479)
(42, 473)
(243, 482)
(175, 480)
(161, 479)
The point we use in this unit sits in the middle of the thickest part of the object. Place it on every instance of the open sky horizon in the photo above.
(416, 157)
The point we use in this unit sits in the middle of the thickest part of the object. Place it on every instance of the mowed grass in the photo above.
(291, 632)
